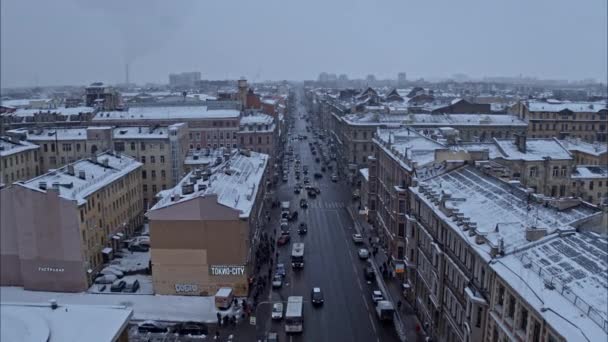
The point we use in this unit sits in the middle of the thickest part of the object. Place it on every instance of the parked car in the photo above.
(318, 175)
(277, 281)
(369, 273)
(191, 328)
(317, 296)
(311, 193)
(357, 238)
(334, 177)
(293, 216)
(131, 286)
(283, 240)
(110, 270)
(322, 168)
(277, 311)
(363, 253)
(377, 296)
(118, 286)
(281, 270)
(151, 327)
(303, 203)
(296, 190)
(106, 279)
(136, 247)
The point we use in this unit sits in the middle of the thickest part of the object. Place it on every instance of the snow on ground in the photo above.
(145, 307)
(145, 285)
(132, 261)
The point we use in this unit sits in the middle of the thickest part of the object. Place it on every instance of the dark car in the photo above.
(303, 229)
(312, 193)
(151, 327)
(131, 286)
(303, 203)
(136, 247)
(318, 175)
(369, 273)
(322, 168)
(317, 160)
(118, 286)
(191, 328)
(317, 296)
(283, 240)
(296, 190)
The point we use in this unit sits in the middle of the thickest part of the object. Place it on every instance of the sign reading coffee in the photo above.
(186, 288)
(228, 270)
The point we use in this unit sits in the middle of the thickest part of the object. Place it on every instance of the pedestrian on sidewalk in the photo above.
(219, 319)
(399, 305)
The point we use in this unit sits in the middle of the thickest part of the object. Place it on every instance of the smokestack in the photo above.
(127, 73)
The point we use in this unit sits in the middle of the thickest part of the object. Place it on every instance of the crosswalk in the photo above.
(316, 204)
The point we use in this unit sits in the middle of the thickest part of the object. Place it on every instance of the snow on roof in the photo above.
(60, 110)
(96, 175)
(499, 210)
(257, 119)
(576, 265)
(557, 106)
(144, 132)
(365, 173)
(536, 149)
(66, 323)
(270, 101)
(579, 145)
(235, 180)
(590, 171)
(408, 143)
(10, 146)
(168, 112)
(432, 120)
(205, 156)
(20, 103)
(46, 134)
(494, 151)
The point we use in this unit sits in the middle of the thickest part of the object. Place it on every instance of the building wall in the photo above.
(213, 133)
(592, 190)
(19, 166)
(550, 177)
(183, 248)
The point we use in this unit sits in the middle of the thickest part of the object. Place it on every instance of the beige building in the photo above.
(18, 160)
(555, 119)
(467, 232)
(258, 133)
(203, 231)
(56, 227)
(585, 153)
(161, 149)
(590, 183)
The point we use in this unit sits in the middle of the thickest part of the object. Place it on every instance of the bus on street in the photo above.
(294, 319)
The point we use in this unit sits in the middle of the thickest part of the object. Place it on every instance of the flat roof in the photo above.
(96, 176)
(537, 149)
(66, 323)
(595, 149)
(168, 112)
(144, 132)
(235, 180)
(590, 171)
(408, 143)
(558, 106)
(434, 120)
(9, 147)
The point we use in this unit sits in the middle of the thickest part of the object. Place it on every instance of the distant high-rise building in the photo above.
(323, 77)
(184, 79)
(343, 77)
(401, 79)
(370, 79)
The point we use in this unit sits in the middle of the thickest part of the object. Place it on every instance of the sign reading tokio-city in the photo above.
(218, 270)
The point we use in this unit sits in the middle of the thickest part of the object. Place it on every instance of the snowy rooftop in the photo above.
(438, 120)
(536, 149)
(496, 210)
(579, 145)
(8, 146)
(576, 265)
(558, 106)
(66, 323)
(169, 112)
(60, 110)
(144, 132)
(408, 143)
(365, 173)
(204, 157)
(257, 119)
(20, 103)
(590, 171)
(88, 176)
(493, 150)
(46, 134)
(235, 180)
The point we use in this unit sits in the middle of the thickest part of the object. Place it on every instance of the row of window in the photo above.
(144, 174)
(19, 174)
(566, 127)
(556, 116)
(153, 159)
(22, 157)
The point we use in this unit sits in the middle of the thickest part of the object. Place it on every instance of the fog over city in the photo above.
(77, 42)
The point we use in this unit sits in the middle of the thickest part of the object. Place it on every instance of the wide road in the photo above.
(331, 261)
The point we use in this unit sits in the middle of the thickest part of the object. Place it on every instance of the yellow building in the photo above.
(18, 160)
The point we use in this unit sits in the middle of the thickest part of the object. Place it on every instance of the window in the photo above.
(152, 159)
(162, 159)
(523, 319)
(142, 146)
(590, 185)
(533, 171)
(145, 187)
(511, 308)
(46, 148)
(132, 146)
(259, 140)
(555, 171)
(501, 295)
(144, 175)
(564, 171)
(52, 147)
(153, 174)
(401, 229)
(143, 159)
(77, 147)
(154, 188)
(163, 174)
(163, 187)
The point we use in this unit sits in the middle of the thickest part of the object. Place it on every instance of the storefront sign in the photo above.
(218, 270)
(50, 269)
(399, 268)
(186, 288)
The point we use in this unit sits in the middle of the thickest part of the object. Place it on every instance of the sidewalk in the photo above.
(406, 315)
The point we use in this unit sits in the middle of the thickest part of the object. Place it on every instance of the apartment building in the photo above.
(463, 226)
(204, 158)
(18, 160)
(590, 183)
(57, 227)
(547, 119)
(161, 149)
(203, 230)
(585, 153)
(258, 133)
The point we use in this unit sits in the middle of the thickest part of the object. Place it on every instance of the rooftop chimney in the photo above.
(71, 169)
(520, 142)
(81, 174)
(53, 304)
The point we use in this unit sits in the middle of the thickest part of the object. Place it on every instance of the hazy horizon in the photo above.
(71, 42)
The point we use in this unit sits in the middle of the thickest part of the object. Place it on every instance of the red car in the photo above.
(283, 240)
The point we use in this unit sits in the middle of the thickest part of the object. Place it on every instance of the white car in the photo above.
(377, 296)
(334, 178)
(277, 311)
(105, 279)
(363, 253)
(357, 238)
(112, 271)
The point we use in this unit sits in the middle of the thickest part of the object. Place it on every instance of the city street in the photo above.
(331, 261)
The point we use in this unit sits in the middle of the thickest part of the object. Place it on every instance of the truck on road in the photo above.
(385, 310)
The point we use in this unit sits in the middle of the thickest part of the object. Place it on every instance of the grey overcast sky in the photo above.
(80, 41)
